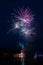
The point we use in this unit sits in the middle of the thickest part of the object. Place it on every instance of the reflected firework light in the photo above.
(22, 55)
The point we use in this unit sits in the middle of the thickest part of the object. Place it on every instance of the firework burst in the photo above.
(22, 22)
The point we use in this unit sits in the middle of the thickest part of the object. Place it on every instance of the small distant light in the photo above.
(21, 55)
(35, 57)
(16, 55)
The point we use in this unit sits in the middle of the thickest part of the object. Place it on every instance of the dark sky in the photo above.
(6, 8)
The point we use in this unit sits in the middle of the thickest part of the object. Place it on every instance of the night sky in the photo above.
(6, 8)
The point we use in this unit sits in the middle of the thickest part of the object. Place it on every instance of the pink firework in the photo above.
(25, 15)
